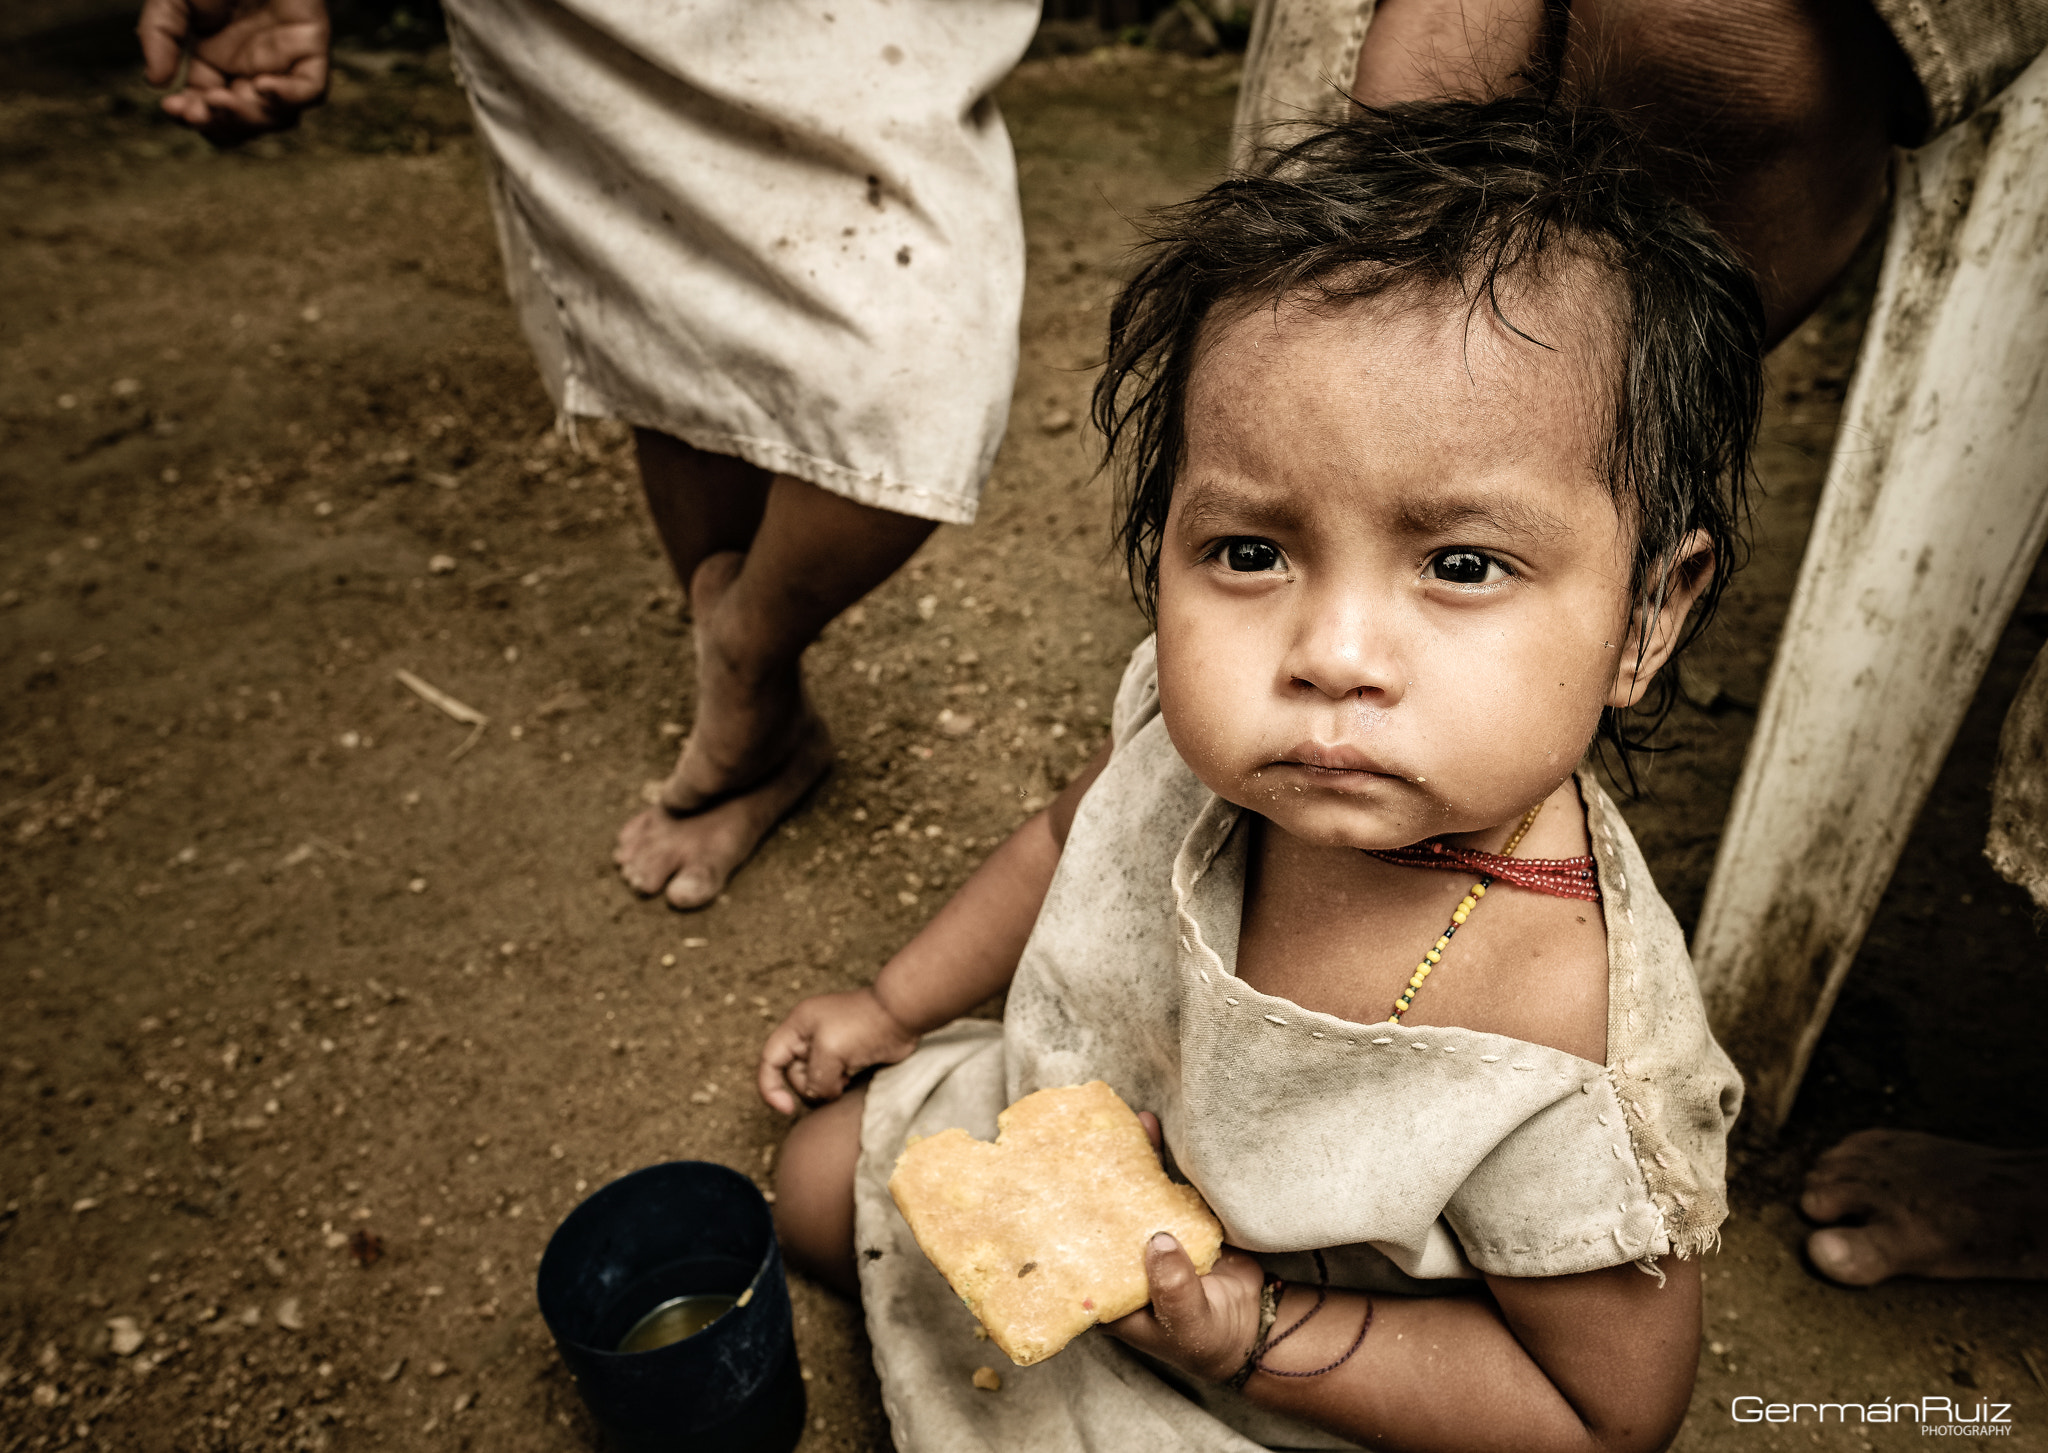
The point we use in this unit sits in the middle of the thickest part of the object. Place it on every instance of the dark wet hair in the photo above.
(1454, 199)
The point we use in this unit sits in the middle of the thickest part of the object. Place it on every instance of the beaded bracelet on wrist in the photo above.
(1269, 1309)
(1269, 1313)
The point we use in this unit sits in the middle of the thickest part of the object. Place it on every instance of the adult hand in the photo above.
(826, 1040)
(254, 64)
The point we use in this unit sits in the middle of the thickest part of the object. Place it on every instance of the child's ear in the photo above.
(1658, 620)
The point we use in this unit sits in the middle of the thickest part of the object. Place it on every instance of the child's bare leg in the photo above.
(814, 1193)
(1928, 1207)
(768, 561)
(703, 504)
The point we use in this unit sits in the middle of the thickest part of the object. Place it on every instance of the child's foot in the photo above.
(1925, 1206)
(688, 858)
(749, 724)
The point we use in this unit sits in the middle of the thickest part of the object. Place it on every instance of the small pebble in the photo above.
(988, 1379)
(289, 1317)
(125, 1335)
(444, 565)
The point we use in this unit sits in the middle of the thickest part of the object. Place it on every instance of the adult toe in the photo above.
(692, 887)
(1848, 1179)
(1829, 1197)
(1857, 1256)
(643, 855)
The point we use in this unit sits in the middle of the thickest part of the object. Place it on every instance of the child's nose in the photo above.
(1344, 650)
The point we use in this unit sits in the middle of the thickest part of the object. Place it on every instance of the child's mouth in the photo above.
(1338, 763)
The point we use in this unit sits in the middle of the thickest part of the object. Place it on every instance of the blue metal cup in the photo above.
(681, 1229)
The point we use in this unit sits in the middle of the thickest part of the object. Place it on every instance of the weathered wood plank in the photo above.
(1935, 507)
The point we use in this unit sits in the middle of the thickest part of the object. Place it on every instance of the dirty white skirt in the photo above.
(785, 230)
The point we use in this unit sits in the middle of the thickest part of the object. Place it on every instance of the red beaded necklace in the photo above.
(1558, 877)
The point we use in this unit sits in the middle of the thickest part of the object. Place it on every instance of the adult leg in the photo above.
(814, 1193)
(1785, 110)
(768, 563)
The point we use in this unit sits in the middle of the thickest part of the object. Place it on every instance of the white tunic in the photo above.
(1416, 1158)
(786, 230)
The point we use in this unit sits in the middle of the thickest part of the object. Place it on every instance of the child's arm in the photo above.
(968, 952)
(1600, 1362)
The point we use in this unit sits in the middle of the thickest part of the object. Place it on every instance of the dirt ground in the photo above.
(315, 1024)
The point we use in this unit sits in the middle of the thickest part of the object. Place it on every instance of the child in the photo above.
(1436, 431)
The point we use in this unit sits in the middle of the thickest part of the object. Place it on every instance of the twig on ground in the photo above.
(29, 799)
(435, 697)
(334, 848)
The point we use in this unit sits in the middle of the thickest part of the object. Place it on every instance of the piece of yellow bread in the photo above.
(1042, 1231)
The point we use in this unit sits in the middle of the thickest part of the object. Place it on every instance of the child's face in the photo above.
(1393, 590)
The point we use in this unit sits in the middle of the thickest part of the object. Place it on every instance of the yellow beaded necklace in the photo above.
(1458, 916)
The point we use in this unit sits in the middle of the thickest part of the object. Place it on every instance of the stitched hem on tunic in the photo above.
(877, 491)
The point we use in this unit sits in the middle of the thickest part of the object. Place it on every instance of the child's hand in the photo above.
(825, 1041)
(254, 64)
(1203, 1325)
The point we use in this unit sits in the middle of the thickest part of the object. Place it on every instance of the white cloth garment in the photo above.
(1415, 1158)
(786, 230)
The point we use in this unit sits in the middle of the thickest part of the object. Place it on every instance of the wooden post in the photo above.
(1935, 507)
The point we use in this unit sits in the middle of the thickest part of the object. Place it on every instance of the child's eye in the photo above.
(1465, 567)
(1251, 556)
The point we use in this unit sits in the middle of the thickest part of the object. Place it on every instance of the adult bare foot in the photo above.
(1924, 1206)
(751, 719)
(687, 858)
